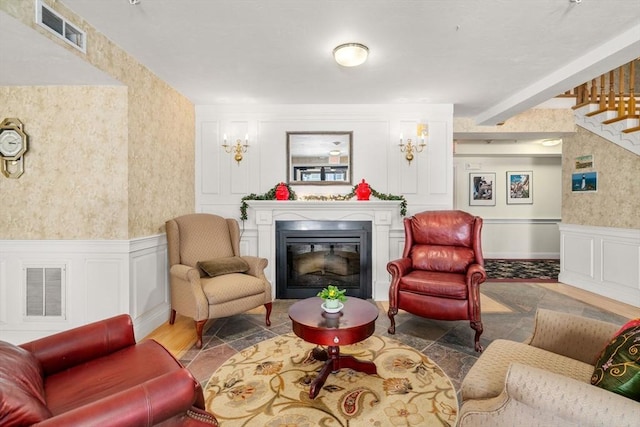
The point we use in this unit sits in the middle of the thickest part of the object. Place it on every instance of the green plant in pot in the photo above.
(332, 296)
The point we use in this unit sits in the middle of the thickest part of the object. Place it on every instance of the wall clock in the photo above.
(13, 145)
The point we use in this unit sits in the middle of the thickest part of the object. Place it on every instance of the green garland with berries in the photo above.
(271, 195)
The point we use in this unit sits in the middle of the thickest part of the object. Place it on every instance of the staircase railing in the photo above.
(608, 91)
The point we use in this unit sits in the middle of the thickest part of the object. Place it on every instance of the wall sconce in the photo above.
(238, 149)
(409, 147)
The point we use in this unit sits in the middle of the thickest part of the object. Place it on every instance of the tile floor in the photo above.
(449, 344)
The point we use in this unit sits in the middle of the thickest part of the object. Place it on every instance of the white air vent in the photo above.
(44, 291)
(56, 24)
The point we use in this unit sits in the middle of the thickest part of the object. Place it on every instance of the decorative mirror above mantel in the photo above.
(319, 158)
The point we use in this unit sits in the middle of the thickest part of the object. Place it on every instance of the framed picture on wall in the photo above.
(519, 188)
(482, 189)
(584, 182)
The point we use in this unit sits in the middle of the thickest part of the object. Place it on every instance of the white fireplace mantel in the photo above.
(382, 214)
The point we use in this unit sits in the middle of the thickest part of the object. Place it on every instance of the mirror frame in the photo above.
(323, 137)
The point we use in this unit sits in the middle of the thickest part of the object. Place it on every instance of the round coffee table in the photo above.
(356, 322)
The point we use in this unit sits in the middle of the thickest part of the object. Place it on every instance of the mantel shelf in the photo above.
(323, 205)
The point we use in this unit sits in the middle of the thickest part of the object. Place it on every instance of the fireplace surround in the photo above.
(313, 254)
(386, 230)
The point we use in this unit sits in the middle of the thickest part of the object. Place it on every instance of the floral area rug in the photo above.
(268, 385)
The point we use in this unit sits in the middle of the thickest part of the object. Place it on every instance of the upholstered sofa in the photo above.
(97, 375)
(545, 381)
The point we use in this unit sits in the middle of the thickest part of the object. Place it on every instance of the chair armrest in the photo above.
(399, 267)
(150, 403)
(65, 349)
(476, 274)
(535, 397)
(256, 265)
(570, 335)
(184, 272)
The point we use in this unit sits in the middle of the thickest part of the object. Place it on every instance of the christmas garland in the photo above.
(271, 195)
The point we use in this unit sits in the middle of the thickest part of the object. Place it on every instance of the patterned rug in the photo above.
(268, 385)
(514, 270)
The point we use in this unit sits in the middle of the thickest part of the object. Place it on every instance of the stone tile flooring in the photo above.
(448, 343)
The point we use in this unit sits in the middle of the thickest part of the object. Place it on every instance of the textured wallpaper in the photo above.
(530, 121)
(155, 141)
(616, 202)
(75, 180)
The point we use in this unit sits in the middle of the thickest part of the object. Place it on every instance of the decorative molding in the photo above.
(605, 261)
(104, 278)
(612, 132)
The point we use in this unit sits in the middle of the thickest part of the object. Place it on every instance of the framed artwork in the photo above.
(584, 182)
(482, 189)
(584, 162)
(519, 188)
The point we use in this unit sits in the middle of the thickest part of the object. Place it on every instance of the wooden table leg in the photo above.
(333, 363)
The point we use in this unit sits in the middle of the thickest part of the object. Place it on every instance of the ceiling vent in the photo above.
(56, 24)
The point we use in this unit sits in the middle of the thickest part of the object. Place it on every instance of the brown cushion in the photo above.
(220, 266)
(21, 388)
(618, 367)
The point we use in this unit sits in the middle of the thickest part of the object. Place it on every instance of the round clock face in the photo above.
(10, 143)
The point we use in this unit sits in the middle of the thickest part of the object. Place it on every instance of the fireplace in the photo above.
(312, 254)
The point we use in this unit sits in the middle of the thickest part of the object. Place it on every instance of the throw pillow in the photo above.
(21, 387)
(220, 266)
(618, 367)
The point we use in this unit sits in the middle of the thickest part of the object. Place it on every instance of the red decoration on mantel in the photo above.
(363, 191)
(282, 192)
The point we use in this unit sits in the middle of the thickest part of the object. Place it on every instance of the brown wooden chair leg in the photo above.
(199, 328)
(172, 317)
(268, 306)
(477, 326)
(391, 313)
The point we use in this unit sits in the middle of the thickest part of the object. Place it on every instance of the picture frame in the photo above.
(319, 158)
(584, 182)
(519, 187)
(584, 162)
(482, 189)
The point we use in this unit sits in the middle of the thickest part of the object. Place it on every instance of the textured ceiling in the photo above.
(491, 58)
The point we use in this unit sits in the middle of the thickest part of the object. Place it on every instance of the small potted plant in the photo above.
(333, 298)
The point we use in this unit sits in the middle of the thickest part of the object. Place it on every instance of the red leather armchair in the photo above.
(441, 269)
(97, 375)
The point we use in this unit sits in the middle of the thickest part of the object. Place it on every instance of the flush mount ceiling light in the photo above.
(334, 152)
(551, 142)
(350, 54)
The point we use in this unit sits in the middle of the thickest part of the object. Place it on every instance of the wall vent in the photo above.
(44, 292)
(56, 24)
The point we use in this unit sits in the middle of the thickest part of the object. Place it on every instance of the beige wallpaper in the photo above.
(531, 121)
(156, 155)
(75, 182)
(616, 202)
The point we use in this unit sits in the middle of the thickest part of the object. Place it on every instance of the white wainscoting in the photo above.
(515, 238)
(605, 261)
(103, 278)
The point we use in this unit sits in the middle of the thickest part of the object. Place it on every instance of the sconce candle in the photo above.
(237, 149)
(410, 148)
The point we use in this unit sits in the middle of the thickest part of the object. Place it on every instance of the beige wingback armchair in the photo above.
(546, 380)
(233, 284)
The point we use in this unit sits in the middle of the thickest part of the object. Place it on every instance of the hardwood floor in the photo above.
(180, 337)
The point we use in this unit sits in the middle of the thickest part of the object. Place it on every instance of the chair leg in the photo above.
(477, 326)
(199, 328)
(268, 306)
(172, 317)
(391, 313)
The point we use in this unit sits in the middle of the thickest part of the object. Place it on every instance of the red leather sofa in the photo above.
(97, 375)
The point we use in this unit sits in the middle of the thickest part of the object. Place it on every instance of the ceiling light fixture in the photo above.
(350, 54)
(551, 142)
(334, 152)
